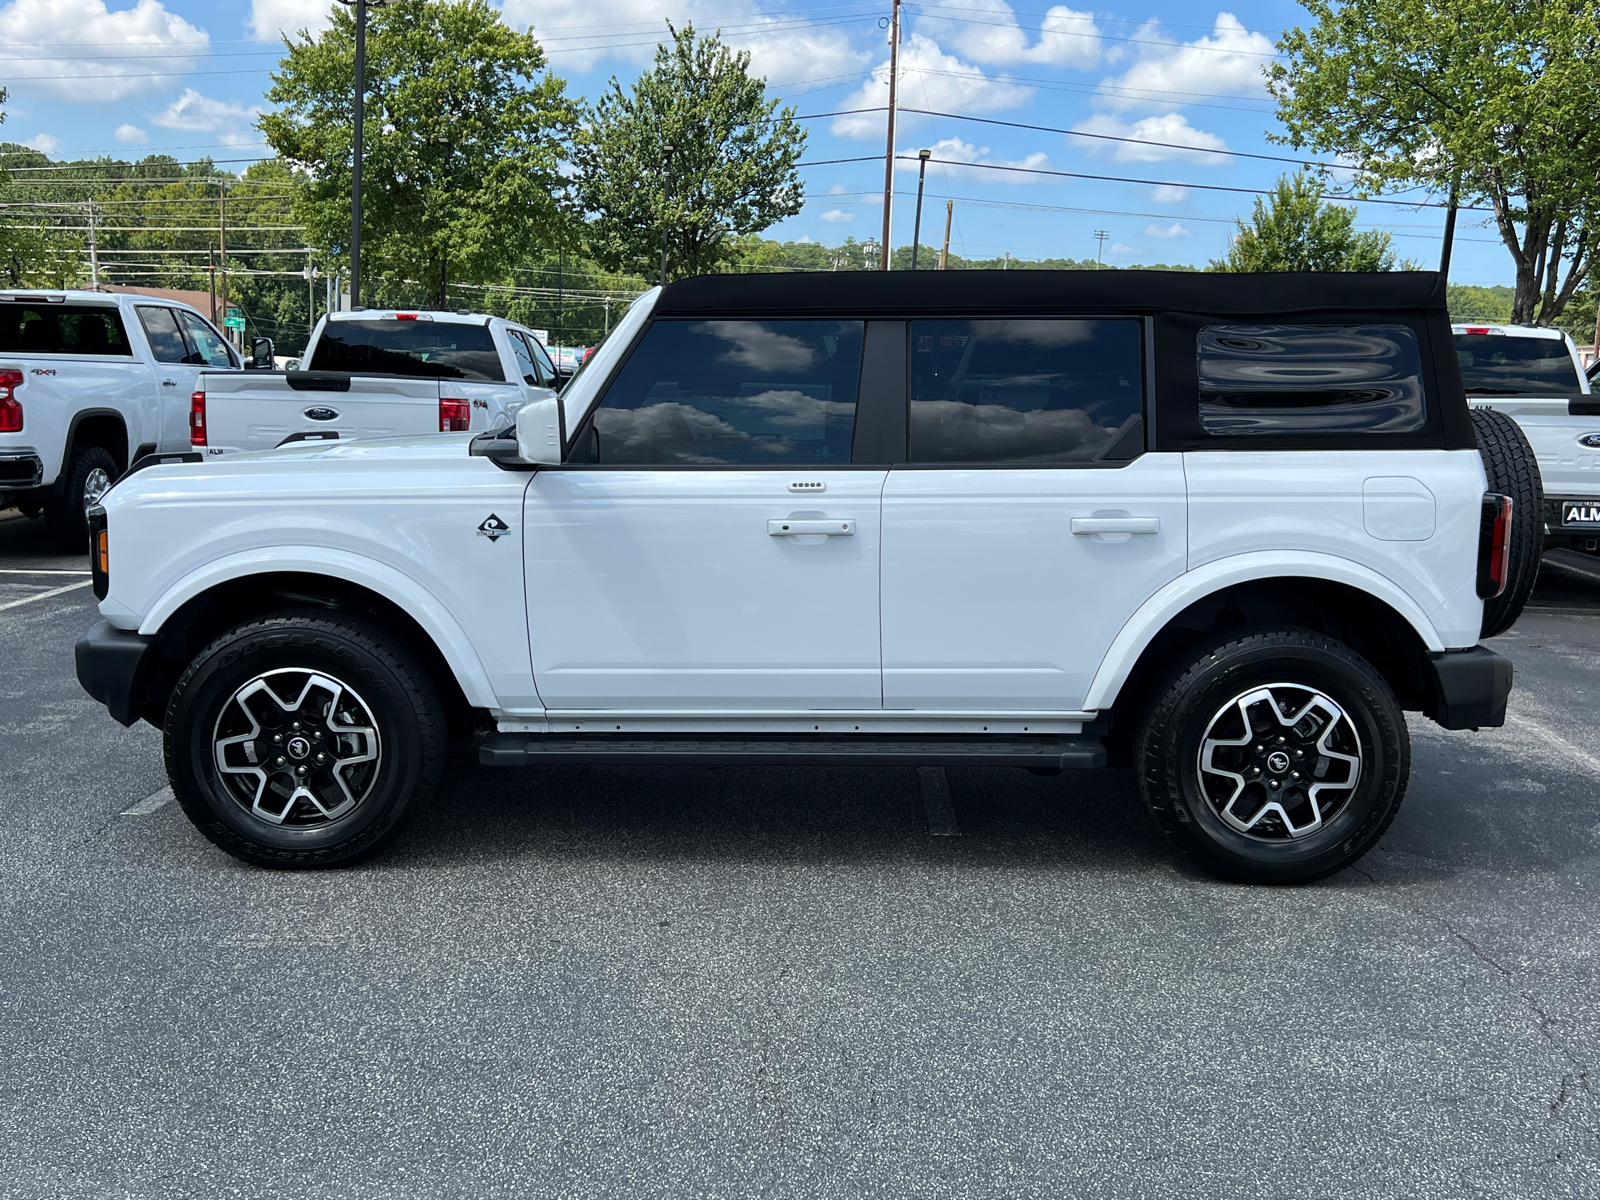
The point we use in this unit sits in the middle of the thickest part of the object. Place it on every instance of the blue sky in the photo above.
(187, 76)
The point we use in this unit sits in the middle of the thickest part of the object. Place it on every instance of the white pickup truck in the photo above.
(89, 384)
(379, 373)
(1535, 377)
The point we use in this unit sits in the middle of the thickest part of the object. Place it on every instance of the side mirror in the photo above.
(261, 353)
(563, 377)
(539, 432)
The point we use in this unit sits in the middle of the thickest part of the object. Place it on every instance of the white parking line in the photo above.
(42, 571)
(152, 802)
(45, 595)
(1581, 755)
(936, 804)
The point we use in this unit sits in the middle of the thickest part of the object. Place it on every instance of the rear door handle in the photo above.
(169, 383)
(1116, 524)
(833, 527)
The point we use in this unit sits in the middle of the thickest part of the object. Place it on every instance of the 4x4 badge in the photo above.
(493, 528)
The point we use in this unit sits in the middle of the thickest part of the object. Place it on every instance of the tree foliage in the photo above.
(732, 167)
(1411, 91)
(1298, 231)
(465, 138)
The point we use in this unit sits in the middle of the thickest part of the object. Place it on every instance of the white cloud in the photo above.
(1171, 128)
(191, 112)
(1227, 61)
(130, 135)
(952, 151)
(275, 18)
(929, 78)
(44, 143)
(1131, 251)
(1166, 193)
(116, 42)
(838, 214)
(784, 54)
(1175, 230)
(837, 189)
(1067, 38)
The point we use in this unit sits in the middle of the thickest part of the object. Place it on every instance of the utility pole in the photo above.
(1007, 265)
(361, 7)
(222, 252)
(888, 154)
(916, 230)
(94, 252)
(944, 255)
(211, 272)
(1100, 236)
(666, 211)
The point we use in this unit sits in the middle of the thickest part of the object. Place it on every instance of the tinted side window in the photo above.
(1497, 365)
(1022, 391)
(1288, 379)
(62, 329)
(525, 363)
(161, 327)
(207, 341)
(420, 349)
(734, 392)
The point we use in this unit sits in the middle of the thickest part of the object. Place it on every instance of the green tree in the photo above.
(465, 138)
(731, 171)
(1413, 91)
(1299, 232)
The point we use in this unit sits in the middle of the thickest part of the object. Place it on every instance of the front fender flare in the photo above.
(435, 619)
(1154, 614)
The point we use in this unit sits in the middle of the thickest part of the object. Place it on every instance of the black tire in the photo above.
(385, 691)
(66, 516)
(1171, 737)
(1513, 471)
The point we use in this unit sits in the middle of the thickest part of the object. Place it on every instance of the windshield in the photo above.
(420, 349)
(1497, 365)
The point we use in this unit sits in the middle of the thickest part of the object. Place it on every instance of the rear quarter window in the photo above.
(1309, 379)
(62, 329)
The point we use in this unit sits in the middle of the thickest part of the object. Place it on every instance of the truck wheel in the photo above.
(1513, 471)
(303, 740)
(1273, 756)
(89, 475)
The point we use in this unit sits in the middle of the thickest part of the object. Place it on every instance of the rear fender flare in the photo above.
(436, 620)
(1155, 613)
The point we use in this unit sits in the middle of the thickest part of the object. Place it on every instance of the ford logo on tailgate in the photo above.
(322, 414)
(1591, 440)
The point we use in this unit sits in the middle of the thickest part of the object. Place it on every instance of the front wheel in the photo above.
(1273, 756)
(303, 740)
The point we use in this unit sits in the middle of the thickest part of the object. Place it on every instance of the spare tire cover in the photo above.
(1513, 471)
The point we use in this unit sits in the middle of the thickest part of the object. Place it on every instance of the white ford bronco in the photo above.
(1223, 529)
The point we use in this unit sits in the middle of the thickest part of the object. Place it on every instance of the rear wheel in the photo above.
(1273, 756)
(1513, 471)
(89, 474)
(303, 740)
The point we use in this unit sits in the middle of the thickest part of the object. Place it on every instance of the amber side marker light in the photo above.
(99, 552)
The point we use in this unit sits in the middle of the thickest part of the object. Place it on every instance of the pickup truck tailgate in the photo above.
(251, 410)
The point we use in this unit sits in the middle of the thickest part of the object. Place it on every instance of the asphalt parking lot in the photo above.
(742, 982)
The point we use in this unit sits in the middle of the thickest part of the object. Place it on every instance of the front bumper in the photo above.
(1470, 688)
(111, 666)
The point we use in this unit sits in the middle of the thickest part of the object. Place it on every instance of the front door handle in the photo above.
(832, 527)
(1116, 524)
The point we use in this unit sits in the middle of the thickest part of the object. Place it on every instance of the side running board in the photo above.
(526, 749)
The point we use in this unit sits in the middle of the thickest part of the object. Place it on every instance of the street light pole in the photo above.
(360, 7)
(916, 230)
(666, 213)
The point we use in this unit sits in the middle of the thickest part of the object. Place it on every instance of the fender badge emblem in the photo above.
(1591, 440)
(493, 528)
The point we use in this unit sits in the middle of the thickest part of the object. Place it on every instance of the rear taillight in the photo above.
(454, 415)
(1494, 545)
(197, 419)
(10, 406)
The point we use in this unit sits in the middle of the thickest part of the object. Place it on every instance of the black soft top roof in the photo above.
(905, 293)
